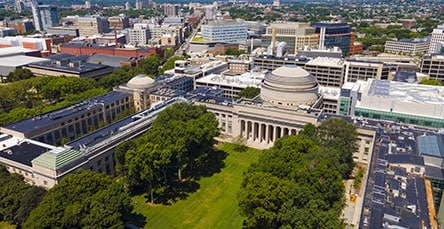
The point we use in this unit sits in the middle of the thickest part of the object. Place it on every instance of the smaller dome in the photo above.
(141, 82)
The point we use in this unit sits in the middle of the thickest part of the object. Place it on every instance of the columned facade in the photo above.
(264, 133)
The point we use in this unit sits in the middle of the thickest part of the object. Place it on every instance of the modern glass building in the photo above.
(225, 31)
(336, 34)
(397, 101)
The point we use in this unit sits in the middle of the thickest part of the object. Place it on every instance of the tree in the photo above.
(338, 138)
(293, 185)
(82, 200)
(19, 74)
(249, 92)
(149, 65)
(233, 52)
(17, 198)
(170, 63)
(180, 137)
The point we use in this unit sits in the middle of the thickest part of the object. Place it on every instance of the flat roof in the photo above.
(326, 61)
(21, 150)
(29, 125)
(80, 68)
(249, 79)
(19, 60)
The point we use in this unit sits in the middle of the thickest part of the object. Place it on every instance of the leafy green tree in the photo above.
(338, 138)
(82, 200)
(149, 65)
(17, 198)
(119, 76)
(19, 74)
(249, 92)
(170, 63)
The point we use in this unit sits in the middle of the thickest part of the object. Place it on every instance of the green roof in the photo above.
(57, 158)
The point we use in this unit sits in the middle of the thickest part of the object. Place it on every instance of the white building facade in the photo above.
(225, 31)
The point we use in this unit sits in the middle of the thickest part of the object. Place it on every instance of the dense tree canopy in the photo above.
(17, 199)
(149, 65)
(19, 74)
(431, 82)
(179, 139)
(170, 63)
(298, 182)
(82, 200)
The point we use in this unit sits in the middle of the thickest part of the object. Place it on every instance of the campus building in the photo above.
(437, 39)
(94, 25)
(433, 65)
(328, 71)
(225, 31)
(397, 101)
(334, 34)
(415, 47)
(296, 35)
(44, 16)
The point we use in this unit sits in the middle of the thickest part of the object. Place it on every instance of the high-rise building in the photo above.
(296, 35)
(44, 16)
(19, 6)
(127, 6)
(170, 10)
(88, 4)
(225, 31)
(89, 26)
(333, 34)
(437, 40)
(139, 5)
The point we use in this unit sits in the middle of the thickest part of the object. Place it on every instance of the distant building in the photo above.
(407, 23)
(225, 31)
(333, 34)
(118, 22)
(95, 25)
(418, 46)
(20, 25)
(170, 10)
(276, 3)
(64, 30)
(84, 49)
(437, 40)
(296, 35)
(139, 36)
(44, 16)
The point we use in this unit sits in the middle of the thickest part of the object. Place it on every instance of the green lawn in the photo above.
(214, 205)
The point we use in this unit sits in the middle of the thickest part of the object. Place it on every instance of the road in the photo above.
(186, 45)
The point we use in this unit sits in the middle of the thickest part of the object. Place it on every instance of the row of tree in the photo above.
(17, 199)
(179, 141)
(298, 182)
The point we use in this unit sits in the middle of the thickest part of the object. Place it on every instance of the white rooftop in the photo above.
(19, 60)
(326, 61)
(404, 98)
(16, 50)
(248, 79)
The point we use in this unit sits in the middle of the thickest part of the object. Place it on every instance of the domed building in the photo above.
(289, 87)
(141, 86)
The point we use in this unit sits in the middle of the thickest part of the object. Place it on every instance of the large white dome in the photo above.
(289, 86)
(141, 82)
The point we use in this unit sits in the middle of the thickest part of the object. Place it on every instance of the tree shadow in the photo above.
(134, 220)
(207, 166)
(212, 163)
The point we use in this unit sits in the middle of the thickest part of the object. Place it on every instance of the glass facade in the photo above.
(344, 106)
(405, 118)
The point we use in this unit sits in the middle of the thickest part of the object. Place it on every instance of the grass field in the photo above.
(5, 225)
(213, 205)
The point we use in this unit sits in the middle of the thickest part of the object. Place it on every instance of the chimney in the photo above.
(273, 39)
(322, 38)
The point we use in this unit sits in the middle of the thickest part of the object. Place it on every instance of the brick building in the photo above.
(79, 49)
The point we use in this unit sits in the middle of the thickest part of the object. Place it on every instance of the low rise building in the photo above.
(397, 101)
(418, 46)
